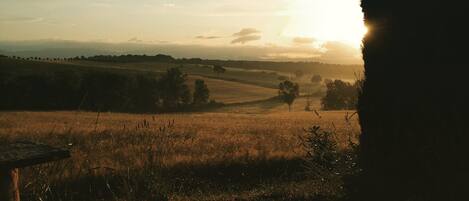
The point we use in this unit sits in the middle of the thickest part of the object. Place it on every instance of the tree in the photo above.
(340, 96)
(414, 139)
(201, 93)
(174, 91)
(218, 69)
(288, 92)
(316, 79)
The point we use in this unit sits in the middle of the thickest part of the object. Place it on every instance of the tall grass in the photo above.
(175, 156)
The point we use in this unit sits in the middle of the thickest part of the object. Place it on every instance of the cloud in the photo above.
(303, 41)
(21, 19)
(246, 35)
(340, 53)
(169, 5)
(245, 39)
(291, 56)
(135, 40)
(246, 32)
(207, 37)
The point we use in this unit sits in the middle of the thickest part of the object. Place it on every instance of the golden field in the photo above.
(196, 156)
(251, 148)
(230, 92)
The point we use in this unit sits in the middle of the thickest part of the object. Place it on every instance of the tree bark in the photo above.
(9, 190)
(414, 103)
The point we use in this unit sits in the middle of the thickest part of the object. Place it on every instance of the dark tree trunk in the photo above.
(414, 105)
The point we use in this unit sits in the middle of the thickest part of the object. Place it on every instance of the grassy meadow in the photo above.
(249, 149)
(197, 156)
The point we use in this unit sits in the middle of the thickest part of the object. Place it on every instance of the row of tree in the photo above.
(102, 91)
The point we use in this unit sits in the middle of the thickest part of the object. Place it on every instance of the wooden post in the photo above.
(19, 155)
(9, 190)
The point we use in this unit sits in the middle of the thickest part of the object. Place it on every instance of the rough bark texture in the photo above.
(9, 190)
(414, 105)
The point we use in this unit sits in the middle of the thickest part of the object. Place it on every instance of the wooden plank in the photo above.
(24, 154)
(9, 188)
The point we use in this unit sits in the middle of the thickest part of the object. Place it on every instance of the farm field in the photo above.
(224, 91)
(230, 92)
(193, 156)
(251, 148)
(259, 78)
(264, 78)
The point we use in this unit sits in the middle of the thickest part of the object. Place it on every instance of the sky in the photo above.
(315, 26)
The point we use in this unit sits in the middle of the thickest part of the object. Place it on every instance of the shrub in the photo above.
(327, 164)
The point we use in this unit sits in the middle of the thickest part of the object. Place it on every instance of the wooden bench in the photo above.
(22, 154)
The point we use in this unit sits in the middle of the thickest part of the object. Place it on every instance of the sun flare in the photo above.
(331, 20)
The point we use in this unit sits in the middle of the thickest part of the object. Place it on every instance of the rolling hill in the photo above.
(221, 90)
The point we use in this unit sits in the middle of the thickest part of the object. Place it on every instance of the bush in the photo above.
(328, 165)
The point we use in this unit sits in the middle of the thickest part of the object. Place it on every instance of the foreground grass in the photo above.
(199, 156)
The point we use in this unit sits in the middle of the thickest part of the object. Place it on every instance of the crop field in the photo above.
(263, 78)
(194, 156)
(224, 91)
(249, 149)
(230, 92)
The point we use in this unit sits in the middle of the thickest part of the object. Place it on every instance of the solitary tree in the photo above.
(218, 69)
(201, 93)
(288, 92)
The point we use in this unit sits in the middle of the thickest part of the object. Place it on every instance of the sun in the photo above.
(327, 20)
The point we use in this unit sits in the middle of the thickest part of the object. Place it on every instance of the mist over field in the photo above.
(333, 52)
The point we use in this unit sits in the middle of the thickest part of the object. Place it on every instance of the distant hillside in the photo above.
(221, 90)
(327, 70)
(68, 48)
(289, 67)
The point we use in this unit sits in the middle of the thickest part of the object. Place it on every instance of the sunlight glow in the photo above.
(327, 20)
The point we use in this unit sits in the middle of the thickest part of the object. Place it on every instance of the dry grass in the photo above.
(230, 92)
(199, 156)
(271, 106)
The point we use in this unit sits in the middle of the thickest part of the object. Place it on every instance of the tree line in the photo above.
(102, 91)
(304, 67)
